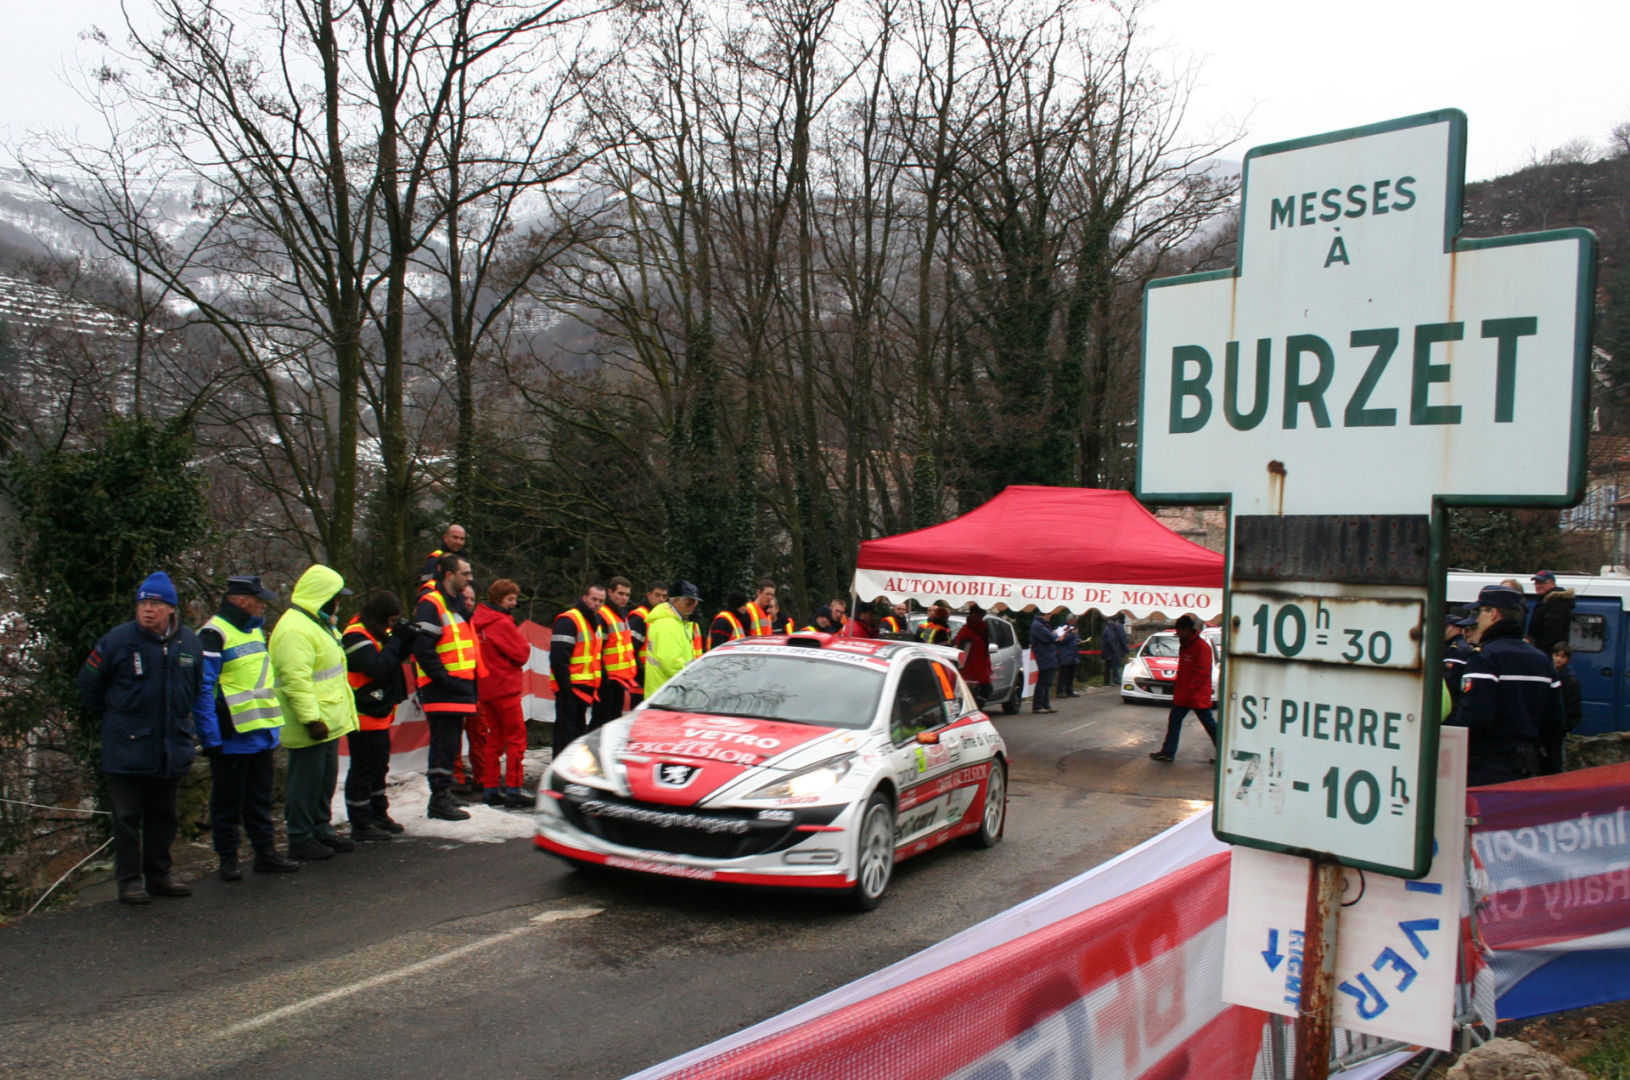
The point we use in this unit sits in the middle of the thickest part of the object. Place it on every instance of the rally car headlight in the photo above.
(581, 761)
(815, 780)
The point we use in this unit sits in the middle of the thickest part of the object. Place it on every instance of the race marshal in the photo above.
(1361, 355)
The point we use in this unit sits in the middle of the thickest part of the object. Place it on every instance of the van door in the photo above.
(1597, 639)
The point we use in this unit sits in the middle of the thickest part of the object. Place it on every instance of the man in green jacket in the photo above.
(318, 708)
(670, 645)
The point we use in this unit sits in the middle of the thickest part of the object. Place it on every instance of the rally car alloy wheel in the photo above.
(990, 822)
(874, 862)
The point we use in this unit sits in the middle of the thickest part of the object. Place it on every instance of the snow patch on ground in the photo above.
(409, 795)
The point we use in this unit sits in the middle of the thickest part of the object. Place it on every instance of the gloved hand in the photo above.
(317, 729)
(405, 629)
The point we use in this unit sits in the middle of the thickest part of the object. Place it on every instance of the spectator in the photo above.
(1044, 649)
(452, 543)
(780, 621)
(619, 668)
(142, 680)
(1510, 696)
(575, 666)
(241, 731)
(446, 666)
(1553, 758)
(655, 595)
(864, 624)
(378, 644)
(973, 642)
(840, 612)
(731, 623)
(1192, 690)
(1069, 655)
(756, 611)
(936, 628)
(896, 622)
(317, 707)
(1552, 619)
(498, 713)
(823, 621)
(1114, 648)
(671, 644)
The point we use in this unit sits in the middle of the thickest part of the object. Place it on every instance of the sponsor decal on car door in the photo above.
(938, 781)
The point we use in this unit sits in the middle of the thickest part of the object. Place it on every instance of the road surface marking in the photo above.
(415, 968)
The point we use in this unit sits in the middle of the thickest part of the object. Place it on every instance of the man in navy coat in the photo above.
(143, 681)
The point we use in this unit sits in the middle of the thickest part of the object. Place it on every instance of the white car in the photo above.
(1151, 673)
(806, 761)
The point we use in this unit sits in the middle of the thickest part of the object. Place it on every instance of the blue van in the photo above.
(1600, 639)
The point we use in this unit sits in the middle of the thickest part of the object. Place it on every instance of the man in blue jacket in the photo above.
(1044, 648)
(241, 729)
(143, 680)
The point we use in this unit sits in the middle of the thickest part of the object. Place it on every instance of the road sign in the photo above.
(1398, 939)
(1325, 728)
(1361, 356)
(1348, 630)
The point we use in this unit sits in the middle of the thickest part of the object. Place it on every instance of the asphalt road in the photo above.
(421, 958)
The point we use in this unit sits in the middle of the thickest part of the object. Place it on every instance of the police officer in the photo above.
(1457, 649)
(1509, 693)
(241, 733)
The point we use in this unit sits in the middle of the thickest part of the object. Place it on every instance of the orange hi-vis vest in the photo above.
(358, 680)
(644, 612)
(697, 645)
(758, 623)
(736, 629)
(618, 649)
(456, 649)
(584, 666)
(891, 624)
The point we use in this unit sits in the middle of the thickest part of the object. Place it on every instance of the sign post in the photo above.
(1360, 369)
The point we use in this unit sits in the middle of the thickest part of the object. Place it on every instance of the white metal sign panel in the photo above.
(1359, 356)
(1325, 758)
(1326, 629)
(1396, 941)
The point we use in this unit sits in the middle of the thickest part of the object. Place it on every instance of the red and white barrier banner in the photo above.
(1115, 973)
(1554, 852)
(537, 700)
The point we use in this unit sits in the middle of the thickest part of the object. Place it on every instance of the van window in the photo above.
(1587, 633)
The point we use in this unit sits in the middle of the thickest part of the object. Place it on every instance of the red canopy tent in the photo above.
(1049, 547)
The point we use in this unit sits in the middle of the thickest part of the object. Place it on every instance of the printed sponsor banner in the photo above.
(1141, 601)
(1554, 855)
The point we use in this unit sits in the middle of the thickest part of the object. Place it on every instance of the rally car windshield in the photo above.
(1161, 646)
(790, 688)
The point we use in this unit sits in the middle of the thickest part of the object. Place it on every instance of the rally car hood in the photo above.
(682, 758)
(1161, 667)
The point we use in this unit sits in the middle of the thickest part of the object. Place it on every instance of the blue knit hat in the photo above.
(158, 587)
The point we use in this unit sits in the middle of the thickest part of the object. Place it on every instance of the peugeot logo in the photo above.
(671, 774)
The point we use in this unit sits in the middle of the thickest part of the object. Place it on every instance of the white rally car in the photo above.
(1151, 674)
(805, 761)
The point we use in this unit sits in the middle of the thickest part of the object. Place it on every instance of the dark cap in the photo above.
(681, 590)
(249, 585)
(1500, 597)
(823, 611)
(1545, 575)
(1462, 616)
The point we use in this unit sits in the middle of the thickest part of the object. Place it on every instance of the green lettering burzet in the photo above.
(1185, 386)
(1507, 331)
(1309, 393)
(1245, 421)
(1426, 373)
(1384, 340)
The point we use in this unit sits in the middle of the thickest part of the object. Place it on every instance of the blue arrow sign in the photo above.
(1271, 954)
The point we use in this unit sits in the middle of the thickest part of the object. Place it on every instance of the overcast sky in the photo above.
(1530, 75)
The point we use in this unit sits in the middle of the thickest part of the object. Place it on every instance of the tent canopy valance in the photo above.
(1047, 547)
